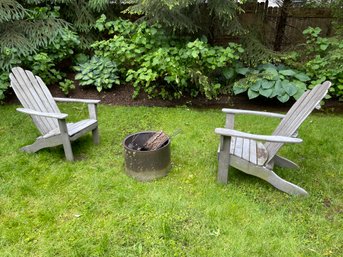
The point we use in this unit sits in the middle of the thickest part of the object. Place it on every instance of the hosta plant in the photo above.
(269, 80)
(98, 71)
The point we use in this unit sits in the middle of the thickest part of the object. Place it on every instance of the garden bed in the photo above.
(122, 95)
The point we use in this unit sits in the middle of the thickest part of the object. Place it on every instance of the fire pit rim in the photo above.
(144, 152)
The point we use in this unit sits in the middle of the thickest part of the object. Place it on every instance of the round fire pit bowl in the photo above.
(145, 165)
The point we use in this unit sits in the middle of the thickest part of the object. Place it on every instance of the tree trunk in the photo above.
(281, 24)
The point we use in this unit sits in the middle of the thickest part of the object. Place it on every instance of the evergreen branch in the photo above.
(11, 10)
(12, 38)
(83, 19)
(26, 36)
(98, 5)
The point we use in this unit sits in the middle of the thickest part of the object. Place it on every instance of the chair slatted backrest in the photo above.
(33, 94)
(301, 109)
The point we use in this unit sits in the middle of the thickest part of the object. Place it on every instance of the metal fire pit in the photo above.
(145, 165)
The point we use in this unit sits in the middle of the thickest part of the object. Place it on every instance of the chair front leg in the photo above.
(224, 160)
(65, 140)
(93, 114)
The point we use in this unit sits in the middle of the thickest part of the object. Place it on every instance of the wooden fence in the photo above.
(299, 18)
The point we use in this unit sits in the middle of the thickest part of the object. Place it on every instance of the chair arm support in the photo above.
(236, 133)
(92, 105)
(43, 114)
(267, 114)
(74, 100)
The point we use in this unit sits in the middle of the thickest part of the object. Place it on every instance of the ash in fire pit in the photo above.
(147, 155)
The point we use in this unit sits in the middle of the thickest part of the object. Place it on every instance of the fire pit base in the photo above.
(145, 165)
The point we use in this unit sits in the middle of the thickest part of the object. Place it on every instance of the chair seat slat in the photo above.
(248, 149)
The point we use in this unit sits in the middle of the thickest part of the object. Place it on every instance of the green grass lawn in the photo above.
(51, 207)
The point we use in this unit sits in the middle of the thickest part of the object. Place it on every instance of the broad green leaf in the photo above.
(228, 73)
(291, 89)
(323, 46)
(129, 78)
(242, 71)
(237, 89)
(278, 88)
(256, 86)
(266, 84)
(266, 66)
(272, 72)
(283, 98)
(266, 92)
(287, 72)
(300, 85)
(298, 94)
(78, 76)
(195, 54)
(252, 94)
(302, 77)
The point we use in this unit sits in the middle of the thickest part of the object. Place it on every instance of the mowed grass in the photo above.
(51, 207)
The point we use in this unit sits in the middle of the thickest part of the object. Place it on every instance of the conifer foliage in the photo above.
(23, 31)
(39, 34)
(192, 16)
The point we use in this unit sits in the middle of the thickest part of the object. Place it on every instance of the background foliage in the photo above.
(167, 52)
(271, 81)
(159, 64)
(321, 59)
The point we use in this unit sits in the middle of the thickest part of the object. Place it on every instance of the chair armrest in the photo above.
(92, 104)
(59, 116)
(73, 100)
(267, 114)
(236, 133)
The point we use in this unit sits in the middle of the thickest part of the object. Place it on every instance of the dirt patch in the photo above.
(122, 95)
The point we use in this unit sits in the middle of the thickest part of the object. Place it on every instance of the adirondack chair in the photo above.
(38, 102)
(246, 152)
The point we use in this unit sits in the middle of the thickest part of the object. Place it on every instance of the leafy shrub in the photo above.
(324, 60)
(271, 81)
(182, 69)
(130, 41)
(160, 65)
(66, 85)
(98, 71)
(43, 65)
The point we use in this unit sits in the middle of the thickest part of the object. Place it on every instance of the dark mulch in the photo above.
(122, 95)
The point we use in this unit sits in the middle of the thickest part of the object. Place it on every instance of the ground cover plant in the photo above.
(50, 207)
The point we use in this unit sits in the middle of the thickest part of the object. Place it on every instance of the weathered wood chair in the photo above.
(38, 102)
(247, 153)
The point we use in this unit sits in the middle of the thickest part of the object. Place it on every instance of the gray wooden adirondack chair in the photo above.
(38, 102)
(247, 153)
